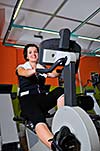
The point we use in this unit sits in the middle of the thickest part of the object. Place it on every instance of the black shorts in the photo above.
(35, 107)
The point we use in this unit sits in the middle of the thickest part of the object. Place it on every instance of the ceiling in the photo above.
(38, 20)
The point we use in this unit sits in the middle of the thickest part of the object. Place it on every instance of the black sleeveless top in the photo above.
(35, 84)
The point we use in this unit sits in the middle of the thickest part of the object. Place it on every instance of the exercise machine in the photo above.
(9, 139)
(71, 115)
(95, 81)
(88, 99)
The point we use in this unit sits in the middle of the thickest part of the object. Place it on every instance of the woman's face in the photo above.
(32, 54)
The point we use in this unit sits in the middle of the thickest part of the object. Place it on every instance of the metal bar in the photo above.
(86, 20)
(15, 12)
(69, 85)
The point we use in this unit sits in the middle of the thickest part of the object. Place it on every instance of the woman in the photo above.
(34, 101)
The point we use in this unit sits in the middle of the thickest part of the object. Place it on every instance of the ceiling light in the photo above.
(18, 46)
(97, 55)
(57, 33)
(17, 9)
(14, 45)
(88, 38)
(54, 32)
(41, 30)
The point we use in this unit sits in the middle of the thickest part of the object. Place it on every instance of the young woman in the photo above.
(34, 101)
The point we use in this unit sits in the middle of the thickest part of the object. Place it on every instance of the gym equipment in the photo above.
(26, 129)
(63, 51)
(9, 139)
(88, 100)
(72, 116)
(95, 80)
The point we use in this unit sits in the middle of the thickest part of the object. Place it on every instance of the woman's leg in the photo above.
(44, 134)
(42, 129)
(54, 97)
(60, 101)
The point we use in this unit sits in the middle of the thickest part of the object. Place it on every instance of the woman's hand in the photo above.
(53, 74)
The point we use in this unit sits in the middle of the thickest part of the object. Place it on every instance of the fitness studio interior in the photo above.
(68, 35)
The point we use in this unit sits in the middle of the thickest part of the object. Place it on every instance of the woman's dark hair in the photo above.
(25, 50)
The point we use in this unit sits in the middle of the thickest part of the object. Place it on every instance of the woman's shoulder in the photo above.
(25, 65)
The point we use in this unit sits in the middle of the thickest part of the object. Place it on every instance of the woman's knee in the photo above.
(60, 101)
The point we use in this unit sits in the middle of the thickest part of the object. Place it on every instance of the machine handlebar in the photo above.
(60, 61)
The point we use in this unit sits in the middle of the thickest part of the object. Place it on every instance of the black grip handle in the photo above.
(60, 61)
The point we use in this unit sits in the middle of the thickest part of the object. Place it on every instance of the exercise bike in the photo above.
(71, 115)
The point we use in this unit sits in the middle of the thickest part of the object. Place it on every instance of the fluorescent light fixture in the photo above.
(41, 30)
(17, 9)
(18, 46)
(57, 33)
(14, 45)
(97, 55)
(89, 38)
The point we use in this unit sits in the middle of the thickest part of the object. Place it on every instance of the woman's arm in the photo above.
(26, 72)
(53, 74)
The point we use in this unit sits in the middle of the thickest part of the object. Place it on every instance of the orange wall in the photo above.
(7, 65)
(10, 57)
(88, 65)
